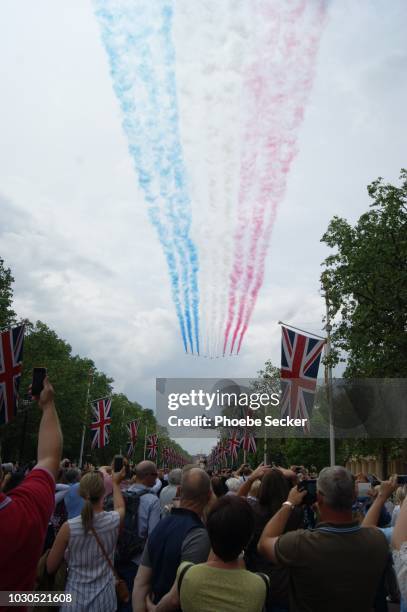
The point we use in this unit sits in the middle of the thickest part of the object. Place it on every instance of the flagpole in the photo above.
(156, 452)
(265, 440)
(121, 429)
(85, 423)
(301, 330)
(145, 442)
(328, 369)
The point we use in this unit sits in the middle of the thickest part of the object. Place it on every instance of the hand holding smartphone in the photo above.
(37, 384)
(118, 463)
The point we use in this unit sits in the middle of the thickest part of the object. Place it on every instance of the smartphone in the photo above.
(117, 463)
(402, 479)
(373, 480)
(363, 488)
(37, 384)
(310, 486)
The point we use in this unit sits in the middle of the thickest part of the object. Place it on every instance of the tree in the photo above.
(7, 314)
(365, 282)
(366, 285)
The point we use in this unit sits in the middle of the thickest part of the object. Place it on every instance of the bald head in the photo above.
(146, 473)
(195, 487)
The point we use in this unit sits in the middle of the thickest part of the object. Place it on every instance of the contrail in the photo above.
(137, 37)
(282, 79)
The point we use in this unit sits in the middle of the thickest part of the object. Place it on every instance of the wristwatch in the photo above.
(289, 504)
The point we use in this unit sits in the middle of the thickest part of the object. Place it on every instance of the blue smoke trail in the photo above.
(137, 37)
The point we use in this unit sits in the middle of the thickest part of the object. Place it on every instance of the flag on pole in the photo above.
(152, 446)
(300, 358)
(100, 426)
(233, 444)
(132, 428)
(11, 363)
(248, 442)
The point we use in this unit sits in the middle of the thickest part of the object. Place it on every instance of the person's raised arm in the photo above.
(49, 435)
(387, 487)
(56, 554)
(258, 473)
(118, 500)
(400, 528)
(276, 525)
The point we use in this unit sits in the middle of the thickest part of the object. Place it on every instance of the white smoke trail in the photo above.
(211, 41)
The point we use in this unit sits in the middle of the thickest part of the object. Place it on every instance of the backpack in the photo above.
(130, 543)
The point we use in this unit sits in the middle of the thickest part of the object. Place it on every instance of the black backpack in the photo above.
(129, 543)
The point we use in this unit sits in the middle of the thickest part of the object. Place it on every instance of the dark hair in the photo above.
(72, 475)
(273, 491)
(230, 524)
(219, 486)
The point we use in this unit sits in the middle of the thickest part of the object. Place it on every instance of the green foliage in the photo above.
(7, 314)
(366, 284)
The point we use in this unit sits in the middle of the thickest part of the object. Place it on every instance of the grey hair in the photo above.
(233, 484)
(174, 477)
(195, 486)
(337, 486)
(72, 475)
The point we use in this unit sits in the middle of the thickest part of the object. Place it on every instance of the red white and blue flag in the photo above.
(233, 444)
(248, 442)
(100, 426)
(300, 358)
(11, 363)
(132, 428)
(152, 446)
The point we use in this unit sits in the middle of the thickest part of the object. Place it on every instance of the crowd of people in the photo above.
(199, 540)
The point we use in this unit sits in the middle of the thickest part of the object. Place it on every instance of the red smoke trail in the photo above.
(286, 85)
(251, 138)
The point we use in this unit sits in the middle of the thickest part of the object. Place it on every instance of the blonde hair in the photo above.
(92, 489)
(400, 495)
(255, 488)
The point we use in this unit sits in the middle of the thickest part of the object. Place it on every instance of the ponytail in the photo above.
(87, 516)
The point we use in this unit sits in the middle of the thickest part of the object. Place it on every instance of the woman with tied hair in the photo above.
(90, 578)
(274, 488)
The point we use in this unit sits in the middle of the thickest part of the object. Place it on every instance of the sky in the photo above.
(74, 227)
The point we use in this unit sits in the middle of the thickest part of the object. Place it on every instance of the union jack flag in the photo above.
(152, 446)
(222, 450)
(11, 363)
(100, 425)
(132, 428)
(233, 445)
(248, 442)
(300, 357)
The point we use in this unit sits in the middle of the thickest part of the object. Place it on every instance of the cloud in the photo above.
(74, 227)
